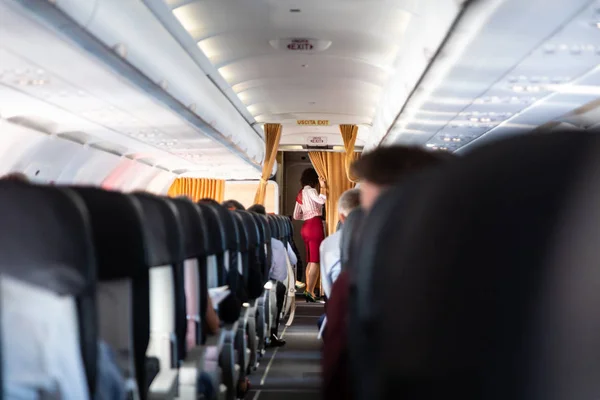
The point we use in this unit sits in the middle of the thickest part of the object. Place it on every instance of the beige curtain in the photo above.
(332, 168)
(349, 135)
(272, 137)
(198, 188)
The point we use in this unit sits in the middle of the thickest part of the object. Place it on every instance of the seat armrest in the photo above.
(164, 386)
(191, 366)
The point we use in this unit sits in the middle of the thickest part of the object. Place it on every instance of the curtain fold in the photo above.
(272, 138)
(349, 135)
(332, 168)
(198, 188)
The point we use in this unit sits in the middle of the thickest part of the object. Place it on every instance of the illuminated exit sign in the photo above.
(313, 122)
(300, 44)
(316, 141)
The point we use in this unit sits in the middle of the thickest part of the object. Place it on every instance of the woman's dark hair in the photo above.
(233, 205)
(310, 178)
(208, 201)
(259, 209)
(16, 177)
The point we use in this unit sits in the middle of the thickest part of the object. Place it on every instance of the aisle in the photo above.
(294, 370)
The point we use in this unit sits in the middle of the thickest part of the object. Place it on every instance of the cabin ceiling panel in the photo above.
(345, 81)
(515, 68)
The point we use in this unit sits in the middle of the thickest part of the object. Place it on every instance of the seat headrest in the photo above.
(121, 252)
(243, 244)
(252, 228)
(460, 262)
(46, 237)
(260, 227)
(350, 231)
(163, 231)
(230, 227)
(283, 228)
(194, 228)
(265, 227)
(274, 225)
(217, 239)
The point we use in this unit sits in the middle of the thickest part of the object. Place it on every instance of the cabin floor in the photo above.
(293, 371)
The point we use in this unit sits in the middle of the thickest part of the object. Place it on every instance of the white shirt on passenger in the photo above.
(40, 344)
(278, 262)
(331, 261)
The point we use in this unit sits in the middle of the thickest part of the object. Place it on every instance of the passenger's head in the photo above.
(385, 166)
(233, 205)
(309, 178)
(16, 177)
(259, 209)
(349, 200)
(211, 202)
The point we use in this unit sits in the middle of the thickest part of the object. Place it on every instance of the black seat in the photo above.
(256, 279)
(216, 242)
(165, 239)
(466, 295)
(243, 249)
(274, 225)
(283, 229)
(224, 233)
(47, 254)
(123, 286)
(350, 233)
(195, 272)
(264, 244)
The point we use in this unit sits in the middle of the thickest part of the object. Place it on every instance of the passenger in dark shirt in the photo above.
(377, 171)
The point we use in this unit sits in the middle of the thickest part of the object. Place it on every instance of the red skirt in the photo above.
(313, 235)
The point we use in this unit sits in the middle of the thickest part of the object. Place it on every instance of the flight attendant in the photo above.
(309, 208)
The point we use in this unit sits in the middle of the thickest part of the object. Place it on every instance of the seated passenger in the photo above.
(278, 272)
(233, 205)
(331, 247)
(377, 171)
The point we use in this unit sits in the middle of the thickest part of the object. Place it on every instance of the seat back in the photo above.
(261, 252)
(195, 275)
(264, 223)
(230, 308)
(123, 279)
(349, 239)
(274, 225)
(47, 289)
(465, 257)
(164, 236)
(217, 246)
(256, 280)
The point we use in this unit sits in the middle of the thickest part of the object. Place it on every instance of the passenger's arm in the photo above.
(298, 212)
(314, 196)
(292, 255)
(335, 271)
(323, 266)
(212, 319)
(279, 266)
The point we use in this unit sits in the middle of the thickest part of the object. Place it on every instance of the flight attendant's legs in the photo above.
(312, 233)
